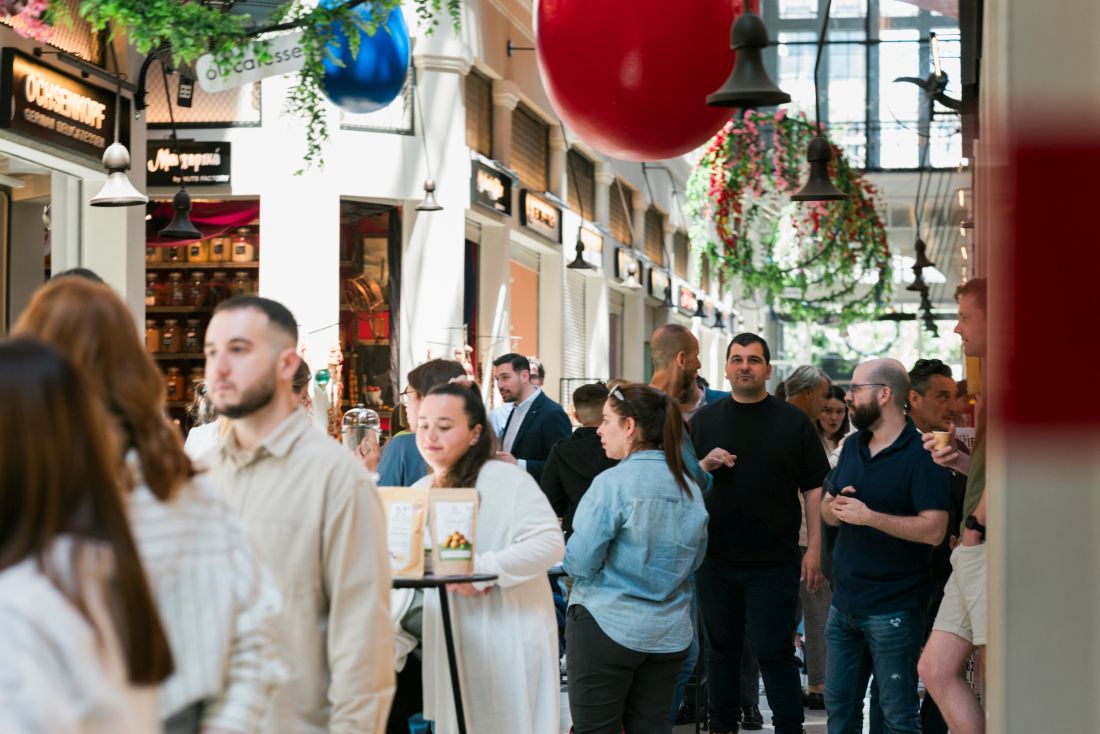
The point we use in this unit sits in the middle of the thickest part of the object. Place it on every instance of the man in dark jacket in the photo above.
(536, 422)
(575, 461)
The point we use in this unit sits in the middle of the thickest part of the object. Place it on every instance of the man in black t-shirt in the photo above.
(761, 452)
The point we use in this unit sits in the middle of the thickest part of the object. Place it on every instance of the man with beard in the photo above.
(891, 504)
(536, 422)
(316, 519)
(761, 452)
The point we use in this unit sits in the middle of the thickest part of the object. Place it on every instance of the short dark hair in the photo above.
(78, 273)
(278, 314)
(433, 373)
(975, 287)
(301, 378)
(922, 372)
(538, 368)
(518, 361)
(588, 401)
(746, 338)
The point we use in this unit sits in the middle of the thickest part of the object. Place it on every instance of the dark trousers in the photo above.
(612, 688)
(763, 598)
(750, 675)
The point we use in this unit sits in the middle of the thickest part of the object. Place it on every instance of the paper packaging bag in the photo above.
(406, 512)
(454, 531)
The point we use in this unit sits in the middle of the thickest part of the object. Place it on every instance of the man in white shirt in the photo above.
(536, 422)
(316, 519)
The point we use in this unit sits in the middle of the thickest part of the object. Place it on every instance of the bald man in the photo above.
(890, 502)
(674, 351)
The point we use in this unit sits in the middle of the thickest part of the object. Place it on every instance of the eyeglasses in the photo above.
(618, 395)
(857, 385)
(405, 395)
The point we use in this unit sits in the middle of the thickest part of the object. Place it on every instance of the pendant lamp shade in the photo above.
(819, 187)
(180, 228)
(632, 282)
(700, 309)
(118, 191)
(579, 263)
(918, 283)
(922, 261)
(429, 204)
(748, 85)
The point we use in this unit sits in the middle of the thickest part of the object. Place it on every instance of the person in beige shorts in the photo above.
(962, 611)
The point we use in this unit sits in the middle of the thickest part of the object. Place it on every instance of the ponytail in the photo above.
(659, 422)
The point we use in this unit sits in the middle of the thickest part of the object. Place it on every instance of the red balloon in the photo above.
(631, 77)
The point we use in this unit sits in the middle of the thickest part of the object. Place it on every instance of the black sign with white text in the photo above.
(202, 164)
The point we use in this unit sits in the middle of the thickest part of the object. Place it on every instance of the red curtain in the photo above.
(212, 218)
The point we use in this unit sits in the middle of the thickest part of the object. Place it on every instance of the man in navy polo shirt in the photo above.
(890, 502)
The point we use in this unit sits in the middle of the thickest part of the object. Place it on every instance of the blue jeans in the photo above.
(763, 599)
(894, 643)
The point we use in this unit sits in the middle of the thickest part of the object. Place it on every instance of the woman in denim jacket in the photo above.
(638, 534)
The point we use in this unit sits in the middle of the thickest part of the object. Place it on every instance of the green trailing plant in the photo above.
(818, 261)
(187, 30)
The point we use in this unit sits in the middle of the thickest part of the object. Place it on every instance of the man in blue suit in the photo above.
(536, 422)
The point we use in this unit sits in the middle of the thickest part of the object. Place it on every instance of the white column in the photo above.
(505, 99)
(670, 251)
(641, 203)
(558, 185)
(604, 179)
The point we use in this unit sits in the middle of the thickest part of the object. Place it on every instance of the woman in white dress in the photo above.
(505, 630)
(83, 648)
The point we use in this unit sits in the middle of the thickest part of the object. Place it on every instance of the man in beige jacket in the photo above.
(316, 519)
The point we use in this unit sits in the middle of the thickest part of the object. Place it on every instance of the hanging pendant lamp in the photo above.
(819, 152)
(429, 204)
(117, 191)
(918, 283)
(748, 85)
(719, 320)
(922, 260)
(700, 309)
(579, 263)
(632, 281)
(180, 228)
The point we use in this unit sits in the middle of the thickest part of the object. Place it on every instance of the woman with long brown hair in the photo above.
(217, 603)
(82, 642)
(638, 534)
(506, 629)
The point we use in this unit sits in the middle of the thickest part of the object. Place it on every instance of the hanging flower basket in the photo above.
(813, 261)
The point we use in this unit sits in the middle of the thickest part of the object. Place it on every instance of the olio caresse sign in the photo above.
(51, 106)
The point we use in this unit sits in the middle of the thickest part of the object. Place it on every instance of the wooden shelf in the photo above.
(168, 357)
(226, 265)
(179, 309)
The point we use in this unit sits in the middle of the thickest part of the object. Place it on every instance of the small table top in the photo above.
(431, 581)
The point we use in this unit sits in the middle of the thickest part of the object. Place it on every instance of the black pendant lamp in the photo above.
(719, 319)
(700, 309)
(918, 283)
(180, 228)
(922, 261)
(579, 263)
(748, 85)
(819, 152)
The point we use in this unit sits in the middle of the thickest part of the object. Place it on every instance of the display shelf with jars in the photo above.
(367, 249)
(184, 283)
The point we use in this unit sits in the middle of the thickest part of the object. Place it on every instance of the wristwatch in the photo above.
(973, 524)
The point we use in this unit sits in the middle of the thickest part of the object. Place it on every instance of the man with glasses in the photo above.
(890, 502)
(761, 452)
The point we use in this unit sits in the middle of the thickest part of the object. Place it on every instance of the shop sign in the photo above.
(687, 302)
(539, 215)
(285, 56)
(491, 188)
(659, 282)
(202, 164)
(57, 108)
(593, 247)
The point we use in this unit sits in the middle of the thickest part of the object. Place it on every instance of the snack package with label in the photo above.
(454, 531)
(406, 512)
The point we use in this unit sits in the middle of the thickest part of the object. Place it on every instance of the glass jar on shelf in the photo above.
(194, 382)
(220, 250)
(244, 248)
(192, 337)
(177, 293)
(198, 252)
(152, 290)
(154, 254)
(196, 290)
(171, 337)
(152, 336)
(173, 383)
(242, 284)
(175, 254)
(217, 289)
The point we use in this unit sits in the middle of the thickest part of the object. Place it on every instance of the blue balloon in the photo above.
(372, 79)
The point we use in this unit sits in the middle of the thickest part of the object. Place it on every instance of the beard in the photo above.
(865, 416)
(252, 400)
(684, 388)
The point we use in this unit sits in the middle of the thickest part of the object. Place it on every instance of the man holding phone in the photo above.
(891, 503)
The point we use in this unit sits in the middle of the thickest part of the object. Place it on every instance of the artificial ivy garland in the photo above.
(809, 260)
(190, 29)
